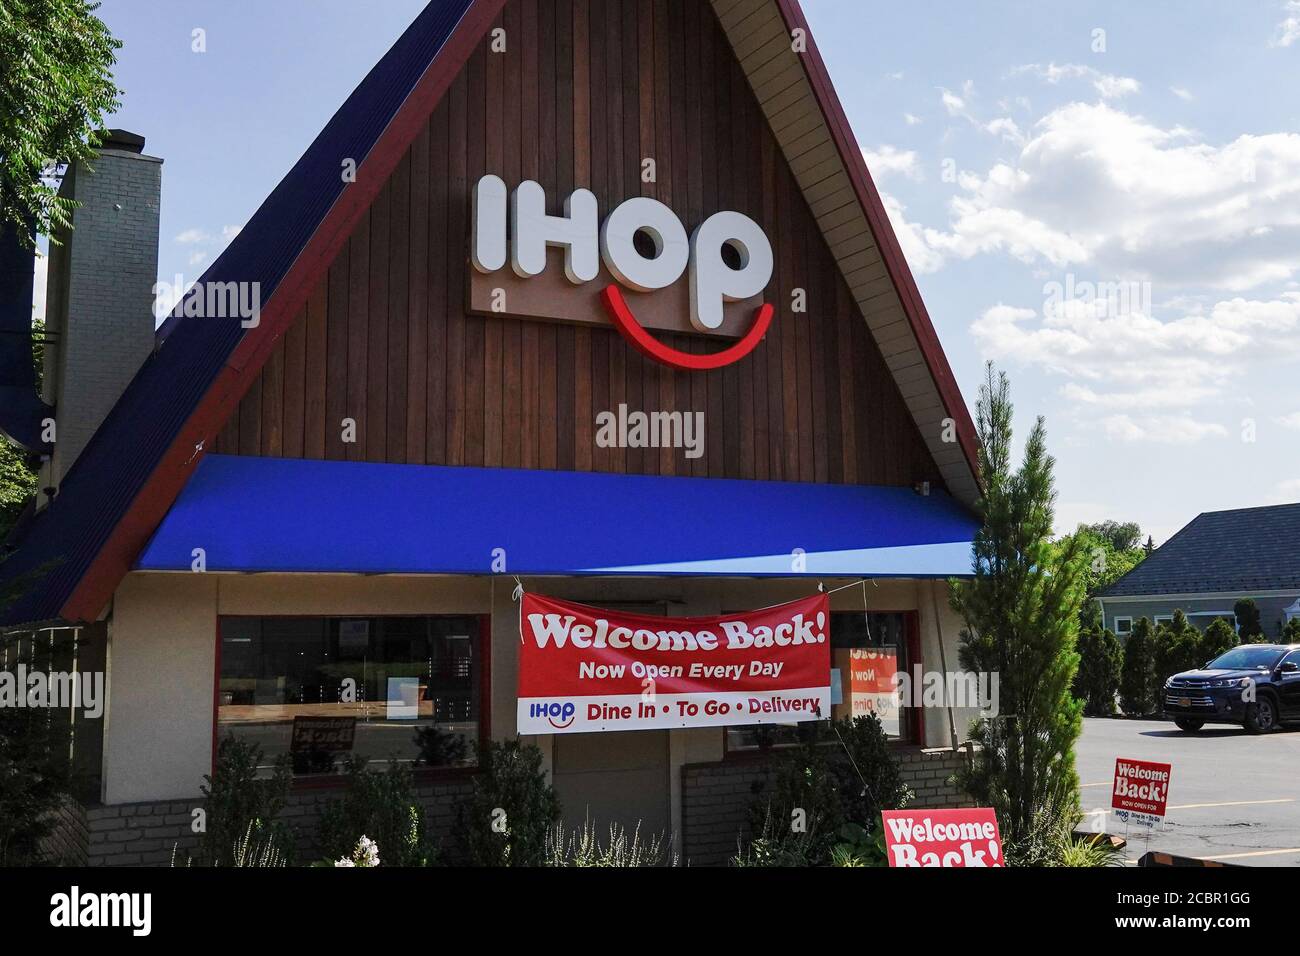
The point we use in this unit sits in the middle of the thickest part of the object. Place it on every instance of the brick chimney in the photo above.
(99, 306)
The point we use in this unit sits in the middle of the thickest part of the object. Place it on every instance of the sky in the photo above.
(1103, 198)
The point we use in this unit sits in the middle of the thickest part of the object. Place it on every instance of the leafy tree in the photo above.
(56, 87)
(1290, 632)
(1249, 625)
(1137, 680)
(1105, 565)
(1118, 536)
(1218, 638)
(1021, 614)
(1101, 659)
(1149, 546)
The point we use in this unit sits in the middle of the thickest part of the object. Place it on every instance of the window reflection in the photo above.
(321, 689)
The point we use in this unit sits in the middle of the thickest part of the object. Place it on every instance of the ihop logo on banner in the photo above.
(559, 714)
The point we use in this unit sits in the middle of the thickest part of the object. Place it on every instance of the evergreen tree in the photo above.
(1249, 625)
(1177, 648)
(1290, 632)
(1218, 638)
(1100, 661)
(1137, 681)
(1021, 611)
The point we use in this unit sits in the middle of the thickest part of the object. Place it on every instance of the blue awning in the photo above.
(282, 515)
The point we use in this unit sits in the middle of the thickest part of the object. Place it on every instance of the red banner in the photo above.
(583, 669)
(943, 838)
(1141, 790)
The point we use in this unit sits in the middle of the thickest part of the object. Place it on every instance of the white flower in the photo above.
(344, 862)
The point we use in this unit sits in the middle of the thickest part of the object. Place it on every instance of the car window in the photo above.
(1293, 657)
(1246, 657)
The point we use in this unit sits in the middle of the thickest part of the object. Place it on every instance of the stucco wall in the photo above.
(158, 739)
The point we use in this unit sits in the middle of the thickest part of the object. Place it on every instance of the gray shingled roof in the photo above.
(1250, 549)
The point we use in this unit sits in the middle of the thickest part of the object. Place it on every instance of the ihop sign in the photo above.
(641, 247)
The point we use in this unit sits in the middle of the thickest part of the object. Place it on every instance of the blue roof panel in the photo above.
(300, 516)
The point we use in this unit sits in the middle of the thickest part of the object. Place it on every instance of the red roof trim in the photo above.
(890, 251)
(96, 587)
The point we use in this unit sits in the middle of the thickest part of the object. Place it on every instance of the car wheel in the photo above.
(1261, 716)
(1189, 725)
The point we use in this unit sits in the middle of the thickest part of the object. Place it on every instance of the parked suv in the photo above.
(1221, 692)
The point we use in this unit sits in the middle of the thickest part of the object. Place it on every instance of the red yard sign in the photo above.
(1141, 790)
(584, 669)
(943, 838)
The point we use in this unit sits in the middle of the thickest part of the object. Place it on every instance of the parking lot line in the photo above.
(1241, 856)
(1231, 803)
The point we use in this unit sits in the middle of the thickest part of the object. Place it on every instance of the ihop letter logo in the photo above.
(728, 258)
(558, 714)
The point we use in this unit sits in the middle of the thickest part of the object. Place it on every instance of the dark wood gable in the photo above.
(585, 90)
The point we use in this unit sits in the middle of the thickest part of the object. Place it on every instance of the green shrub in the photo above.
(1101, 660)
(843, 773)
(1291, 632)
(381, 806)
(1137, 679)
(240, 806)
(507, 817)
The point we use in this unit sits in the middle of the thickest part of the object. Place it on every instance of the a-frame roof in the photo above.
(130, 473)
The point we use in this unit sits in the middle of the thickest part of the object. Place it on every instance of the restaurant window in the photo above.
(314, 691)
(866, 651)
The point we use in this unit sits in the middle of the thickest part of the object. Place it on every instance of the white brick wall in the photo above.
(102, 301)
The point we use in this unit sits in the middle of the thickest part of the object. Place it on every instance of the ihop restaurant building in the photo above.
(596, 298)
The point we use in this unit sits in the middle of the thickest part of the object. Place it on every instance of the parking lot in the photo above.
(1232, 796)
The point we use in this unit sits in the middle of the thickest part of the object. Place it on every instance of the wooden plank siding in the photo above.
(585, 92)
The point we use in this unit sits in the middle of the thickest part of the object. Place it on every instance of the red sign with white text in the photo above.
(583, 669)
(1141, 789)
(943, 838)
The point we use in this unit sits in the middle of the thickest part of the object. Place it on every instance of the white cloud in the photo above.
(1117, 361)
(229, 232)
(1108, 85)
(1182, 93)
(197, 257)
(1289, 421)
(193, 237)
(912, 120)
(1288, 31)
(1287, 491)
(1164, 429)
(1098, 186)
(1006, 128)
(888, 160)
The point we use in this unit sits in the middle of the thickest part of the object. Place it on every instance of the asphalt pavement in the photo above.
(1232, 796)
